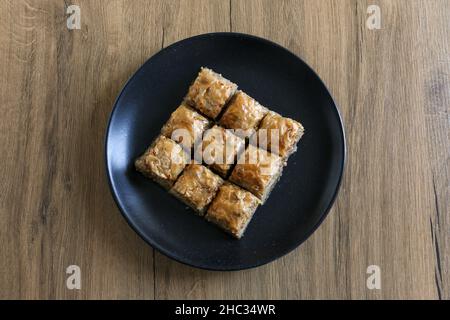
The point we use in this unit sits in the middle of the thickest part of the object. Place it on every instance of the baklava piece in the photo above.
(243, 114)
(278, 135)
(219, 149)
(257, 171)
(196, 187)
(185, 126)
(210, 92)
(232, 209)
(163, 161)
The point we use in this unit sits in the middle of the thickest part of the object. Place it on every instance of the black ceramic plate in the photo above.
(277, 79)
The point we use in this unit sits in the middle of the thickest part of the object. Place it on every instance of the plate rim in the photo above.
(167, 253)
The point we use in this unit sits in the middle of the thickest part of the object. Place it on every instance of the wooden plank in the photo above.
(56, 209)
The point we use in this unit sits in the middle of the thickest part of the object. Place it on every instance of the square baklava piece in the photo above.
(185, 126)
(210, 92)
(163, 161)
(232, 209)
(278, 135)
(196, 187)
(258, 171)
(219, 149)
(243, 114)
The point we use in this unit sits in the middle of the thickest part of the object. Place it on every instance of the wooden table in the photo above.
(57, 88)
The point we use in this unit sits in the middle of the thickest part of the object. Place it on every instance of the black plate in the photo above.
(276, 78)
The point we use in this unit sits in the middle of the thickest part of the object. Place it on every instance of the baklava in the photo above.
(278, 134)
(219, 149)
(243, 114)
(210, 92)
(226, 180)
(232, 209)
(163, 161)
(196, 187)
(185, 126)
(258, 171)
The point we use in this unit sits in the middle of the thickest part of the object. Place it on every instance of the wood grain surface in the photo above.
(57, 88)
